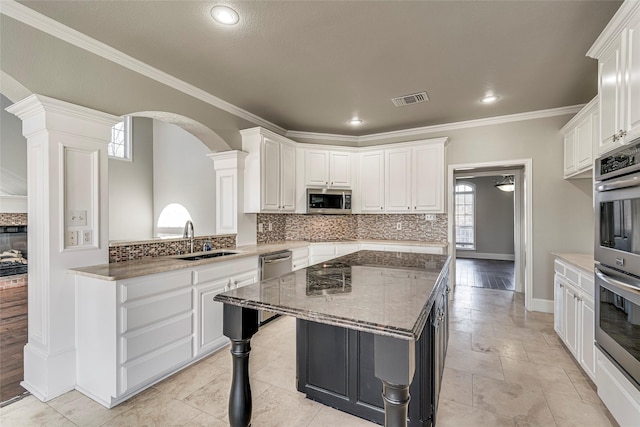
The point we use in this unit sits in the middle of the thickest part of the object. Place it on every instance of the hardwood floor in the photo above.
(13, 337)
(485, 273)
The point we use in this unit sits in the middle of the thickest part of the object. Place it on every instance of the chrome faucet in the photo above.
(189, 233)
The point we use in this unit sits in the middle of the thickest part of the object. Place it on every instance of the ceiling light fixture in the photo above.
(355, 122)
(506, 184)
(489, 99)
(225, 15)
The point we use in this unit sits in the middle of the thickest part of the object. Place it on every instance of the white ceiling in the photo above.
(312, 65)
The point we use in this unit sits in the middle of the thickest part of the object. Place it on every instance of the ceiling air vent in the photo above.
(414, 98)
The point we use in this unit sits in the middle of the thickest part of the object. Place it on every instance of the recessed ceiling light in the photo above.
(355, 122)
(489, 99)
(225, 15)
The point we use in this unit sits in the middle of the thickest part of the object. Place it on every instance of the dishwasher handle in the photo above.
(270, 261)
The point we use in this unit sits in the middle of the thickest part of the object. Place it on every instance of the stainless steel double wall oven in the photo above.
(617, 255)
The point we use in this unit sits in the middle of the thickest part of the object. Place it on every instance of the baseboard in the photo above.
(542, 305)
(484, 255)
(48, 375)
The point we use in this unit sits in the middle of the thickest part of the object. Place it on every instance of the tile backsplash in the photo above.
(127, 251)
(330, 227)
(13, 218)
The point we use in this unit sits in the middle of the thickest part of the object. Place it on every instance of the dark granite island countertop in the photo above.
(387, 294)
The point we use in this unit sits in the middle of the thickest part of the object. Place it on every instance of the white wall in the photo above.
(13, 161)
(494, 217)
(131, 187)
(183, 174)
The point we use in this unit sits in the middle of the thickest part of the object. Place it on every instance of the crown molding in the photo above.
(627, 11)
(54, 28)
(421, 131)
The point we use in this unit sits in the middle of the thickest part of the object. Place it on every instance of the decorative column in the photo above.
(230, 216)
(68, 208)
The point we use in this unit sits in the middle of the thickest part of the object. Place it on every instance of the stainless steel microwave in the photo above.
(327, 201)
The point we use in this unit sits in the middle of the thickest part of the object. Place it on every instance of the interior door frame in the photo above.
(523, 248)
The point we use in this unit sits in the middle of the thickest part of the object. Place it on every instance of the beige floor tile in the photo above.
(213, 398)
(557, 357)
(499, 346)
(206, 420)
(523, 403)
(547, 378)
(184, 383)
(519, 334)
(278, 374)
(33, 414)
(481, 327)
(569, 412)
(329, 417)
(475, 363)
(27, 401)
(281, 408)
(162, 410)
(82, 410)
(454, 414)
(585, 387)
(457, 386)
(459, 340)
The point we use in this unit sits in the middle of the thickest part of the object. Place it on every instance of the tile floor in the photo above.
(505, 367)
(485, 273)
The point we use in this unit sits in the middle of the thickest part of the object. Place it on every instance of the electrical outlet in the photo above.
(260, 228)
(399, 226)
(269, 227)
(86, 237)
(72, 238)
(429, 217)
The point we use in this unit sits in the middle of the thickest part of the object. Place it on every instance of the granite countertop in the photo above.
(146, 266)
(385, 293)
(583, 261)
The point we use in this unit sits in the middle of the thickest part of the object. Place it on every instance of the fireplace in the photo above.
(13, 250)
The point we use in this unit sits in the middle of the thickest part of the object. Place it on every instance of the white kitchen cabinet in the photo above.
(574, 319)
(372, 179)
(415, 178)
(299, 258)
(270, 172)
(618, 53)
(327, 168)
(580, 136)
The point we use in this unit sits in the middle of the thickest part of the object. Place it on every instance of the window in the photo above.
(465, 216)
(120, 145)
(172, 220)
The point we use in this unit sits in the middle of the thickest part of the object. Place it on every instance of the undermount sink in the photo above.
(205, 256)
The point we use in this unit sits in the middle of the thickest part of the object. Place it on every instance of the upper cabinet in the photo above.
(270, 172)
(327, 168)
(580, 138)
(618, 53)
(408, 178)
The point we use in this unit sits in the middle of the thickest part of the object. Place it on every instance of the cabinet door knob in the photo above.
(615, 137)
(380, 207)
(622, 133)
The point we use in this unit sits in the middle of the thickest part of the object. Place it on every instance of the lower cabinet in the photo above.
(335, 366)
(299, 258)
(132, 333)
(574, 319)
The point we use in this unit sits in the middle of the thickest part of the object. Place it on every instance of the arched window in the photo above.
(465, 215)
(172, 220)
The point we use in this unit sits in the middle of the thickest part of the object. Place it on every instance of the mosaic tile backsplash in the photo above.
(130, 250)
(13, 218)
(335, 227)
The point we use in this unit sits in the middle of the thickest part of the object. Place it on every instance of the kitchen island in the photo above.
(396, 301)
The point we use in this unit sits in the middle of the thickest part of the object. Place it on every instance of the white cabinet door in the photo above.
(372, 181)
(569, 153)
(587, 338)
(398, 180)
(558, 306)
(339, 169)
(571, 320)
(428, 179)
(270, 175)
(346, 248)
(610, 92)
(632, 92)
(316, 171)
(287, 178)
(583, 144)
(210, 315)
(239, 280)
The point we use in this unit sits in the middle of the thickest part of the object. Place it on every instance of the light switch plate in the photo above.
(76, 218)
(429, 217)
(260, 228)
(72, 238)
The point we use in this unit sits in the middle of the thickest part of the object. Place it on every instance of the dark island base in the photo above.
(335, 366)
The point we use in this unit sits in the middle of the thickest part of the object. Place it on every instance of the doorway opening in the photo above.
(490, 228)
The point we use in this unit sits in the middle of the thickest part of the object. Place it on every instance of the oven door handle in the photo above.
(616, 283)
(630, 181)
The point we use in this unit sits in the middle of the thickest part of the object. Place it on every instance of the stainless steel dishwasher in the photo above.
(273, 265)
